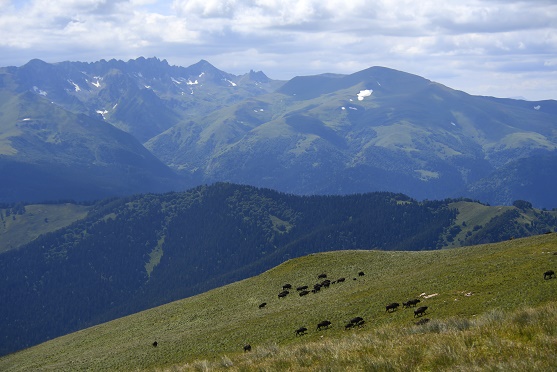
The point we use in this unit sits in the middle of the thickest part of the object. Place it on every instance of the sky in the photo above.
(484, 47)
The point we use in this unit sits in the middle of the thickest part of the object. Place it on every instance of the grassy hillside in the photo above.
(473, 290)
(37, 219)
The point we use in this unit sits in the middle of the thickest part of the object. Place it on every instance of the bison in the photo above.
(392, 307)
(301, 331)
(262, 305)
(302, 288)
(283, 294)
(247, 348)
(340, 280)
(361, 273)
(323, 324)
(357, 320)
(321, 276)
(409, 303)
(155, 344)
(420, 311)
(287, 286)
(303, 293)
(549, 274)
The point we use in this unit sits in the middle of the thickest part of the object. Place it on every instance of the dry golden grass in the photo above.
(522, 340)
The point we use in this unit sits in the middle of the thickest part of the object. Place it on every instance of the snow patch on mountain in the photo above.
(102, 113)
(39, 91)
(98, 82)
(364, 93)
(189, 82)
(231, 82)
(76, 87)
(537, 107)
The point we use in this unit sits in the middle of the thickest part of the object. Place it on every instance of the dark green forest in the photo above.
(138, 252)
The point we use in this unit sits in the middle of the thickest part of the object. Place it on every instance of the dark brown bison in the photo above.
(323, 324)
(340, 280)
(549, 274)
(287, 286)
(361, 273)
(392, 307)
(155, 344)
(303, 293)
(262, 305)
(321, 276)
(247, 348)
(301, 331)
(283, 294)
(357, 320)
(302, 288)
(420, 311)
(409, 303)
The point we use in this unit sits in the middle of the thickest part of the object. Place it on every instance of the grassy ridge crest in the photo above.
(504, 278)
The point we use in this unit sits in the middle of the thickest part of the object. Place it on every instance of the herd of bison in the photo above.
(356, 321)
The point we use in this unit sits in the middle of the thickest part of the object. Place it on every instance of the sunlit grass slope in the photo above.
(475, 289)
(19, 229)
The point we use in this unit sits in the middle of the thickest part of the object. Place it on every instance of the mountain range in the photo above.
(84, 131)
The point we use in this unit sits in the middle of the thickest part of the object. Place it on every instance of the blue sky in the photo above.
(487, 47)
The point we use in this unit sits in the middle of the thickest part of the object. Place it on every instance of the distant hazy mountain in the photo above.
(375, 130)
(50, 153)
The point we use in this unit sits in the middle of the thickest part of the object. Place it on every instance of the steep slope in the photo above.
(487, 282)
(532, 178)
(49, 153)
(135, 253)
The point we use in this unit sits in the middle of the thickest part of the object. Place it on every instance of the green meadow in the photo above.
(489, 306)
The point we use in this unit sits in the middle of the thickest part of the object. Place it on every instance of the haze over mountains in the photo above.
(84, 131)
